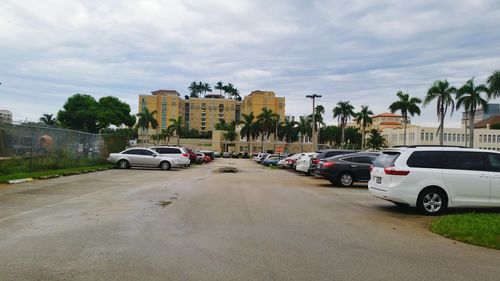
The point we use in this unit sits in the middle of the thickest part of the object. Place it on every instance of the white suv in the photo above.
(179, 153)
(434, 178)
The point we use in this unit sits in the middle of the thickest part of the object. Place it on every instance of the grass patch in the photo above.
(482, 229)
(47, 173)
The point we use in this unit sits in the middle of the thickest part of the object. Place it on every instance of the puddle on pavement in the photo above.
(232, 170)
(163, 204)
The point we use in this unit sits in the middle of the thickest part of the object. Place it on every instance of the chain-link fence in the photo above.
(29, 148)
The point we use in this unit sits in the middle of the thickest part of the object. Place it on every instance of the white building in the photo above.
(484, 138)
(5, 116)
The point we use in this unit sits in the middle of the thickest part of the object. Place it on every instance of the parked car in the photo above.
(192, 155)
(209, 153)
(327, 153)
(235, 155)
(216, 154)
(142, 157)
(265, 157)
(245, 155)
(200, 158)
(260, 157)
(290, 161)
(272, 160)
(435, 178)
(304, 162)
(346, 169)
(226, 154)
(180, 153)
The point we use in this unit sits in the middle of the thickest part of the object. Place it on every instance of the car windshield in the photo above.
(386, 159)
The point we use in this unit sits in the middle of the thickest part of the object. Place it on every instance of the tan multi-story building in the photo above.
(260, 99)
(203, 114)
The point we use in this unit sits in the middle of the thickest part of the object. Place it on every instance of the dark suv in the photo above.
(346, 169)
(323, 154)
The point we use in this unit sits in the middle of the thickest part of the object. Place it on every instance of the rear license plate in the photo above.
(378, 180)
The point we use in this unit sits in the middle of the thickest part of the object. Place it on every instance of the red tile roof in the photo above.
(491, 121)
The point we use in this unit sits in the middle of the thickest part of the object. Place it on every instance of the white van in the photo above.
(179, 153)
(434, 178)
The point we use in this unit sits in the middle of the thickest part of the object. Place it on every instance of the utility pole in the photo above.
(314, 139)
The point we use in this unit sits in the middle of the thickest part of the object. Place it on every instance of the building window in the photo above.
(432, 136)
(445, 136)
(454, 137)
(422, 136)
(426, 136)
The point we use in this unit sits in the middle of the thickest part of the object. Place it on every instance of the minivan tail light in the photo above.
(371, 168)
(315, 161)
(395, 172)
(185, 155)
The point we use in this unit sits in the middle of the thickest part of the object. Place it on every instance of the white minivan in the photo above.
(179, 153)
(434, 178)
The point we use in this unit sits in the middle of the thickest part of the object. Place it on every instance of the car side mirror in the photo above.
(154, 155)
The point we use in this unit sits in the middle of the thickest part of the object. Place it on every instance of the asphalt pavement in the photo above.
(201, 224)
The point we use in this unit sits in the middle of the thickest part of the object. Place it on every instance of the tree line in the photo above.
(198, 89)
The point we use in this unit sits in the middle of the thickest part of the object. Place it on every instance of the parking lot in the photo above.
(203, 224)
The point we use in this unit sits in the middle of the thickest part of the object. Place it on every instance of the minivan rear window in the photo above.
(425, 159)
(386, 159)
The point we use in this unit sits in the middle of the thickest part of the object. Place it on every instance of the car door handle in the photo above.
(484, 176)
(354, 166)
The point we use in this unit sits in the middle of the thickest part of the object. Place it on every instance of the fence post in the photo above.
(32, 151)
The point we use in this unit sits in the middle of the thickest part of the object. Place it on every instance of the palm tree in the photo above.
(266, 119)
(176, 127)
(407, 106)
(205, 87)
(494, 85)
(304, 128)
(469, 96)
(248, 127)
(219, 86)
(48, 119)
(441, 91)
(343, 111)
(167, 134)
(376, 140)
(363, 119)
(146, 119)
(194, 90)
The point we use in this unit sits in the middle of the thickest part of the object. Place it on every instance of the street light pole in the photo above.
(314, 139)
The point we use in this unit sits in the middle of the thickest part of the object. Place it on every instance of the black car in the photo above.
(323, 154)
(346, 169)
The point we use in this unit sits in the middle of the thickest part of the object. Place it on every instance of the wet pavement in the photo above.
(203, 224)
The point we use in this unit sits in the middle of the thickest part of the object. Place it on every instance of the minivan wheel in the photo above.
(432, 202)
(123, 164)
(345, 180)
(165, 166)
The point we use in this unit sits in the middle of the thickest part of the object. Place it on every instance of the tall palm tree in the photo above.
(470, 97)
(304, 128)
(266, 119)
(343, 112)
(205, 87)
(147, 119)
(248, 127)
(48, 119)
(376, 140)
(219, 86)
(176, 125)
(194, 90)
(167, 134)
(363, 119)
(443, 93)
(407, 106)
(494, 85)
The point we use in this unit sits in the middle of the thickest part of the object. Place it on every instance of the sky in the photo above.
(357, 50)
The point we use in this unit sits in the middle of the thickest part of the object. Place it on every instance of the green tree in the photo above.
(376, 140)
(176, 127)
(266, 122)
(407, 106)
(194, 90)
(363, 119)
(147, 119)
(167, 134)
(343, 112)
(494, 85)
(48, 119)
(248, 128)
(305, 129)
(443, 93)
(112, 111)
(219, 86)
(353, 138)
(470, 97)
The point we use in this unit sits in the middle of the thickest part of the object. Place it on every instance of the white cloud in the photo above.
(363, 51)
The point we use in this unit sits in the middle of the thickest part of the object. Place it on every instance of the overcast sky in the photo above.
(362, 51)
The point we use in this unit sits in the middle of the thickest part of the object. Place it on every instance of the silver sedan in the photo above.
(142, 157)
